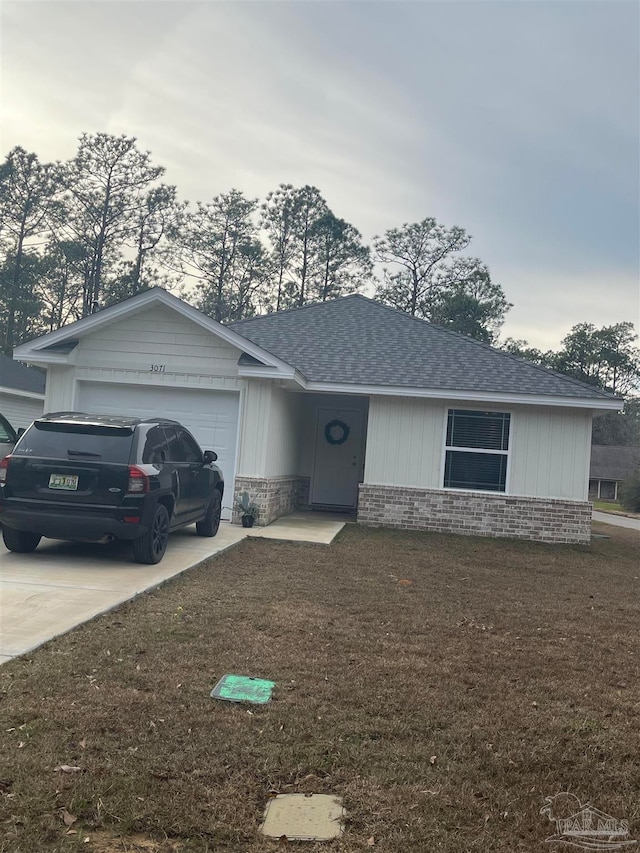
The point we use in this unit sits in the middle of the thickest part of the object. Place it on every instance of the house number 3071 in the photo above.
(157, 368)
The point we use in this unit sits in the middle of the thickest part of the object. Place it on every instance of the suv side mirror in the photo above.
(209, 457)
(21, 431)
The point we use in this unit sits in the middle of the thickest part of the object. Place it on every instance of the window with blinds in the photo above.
(477, 448)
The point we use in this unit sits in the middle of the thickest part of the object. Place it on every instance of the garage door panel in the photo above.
(212, 416)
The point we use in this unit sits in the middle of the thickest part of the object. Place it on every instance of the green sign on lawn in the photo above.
(243, 688)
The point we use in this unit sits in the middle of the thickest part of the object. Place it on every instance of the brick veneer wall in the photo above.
(490, 514)
(275, 496)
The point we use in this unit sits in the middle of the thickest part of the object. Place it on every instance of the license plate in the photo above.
(67, 482)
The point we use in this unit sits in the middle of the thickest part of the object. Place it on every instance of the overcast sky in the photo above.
(515, 120)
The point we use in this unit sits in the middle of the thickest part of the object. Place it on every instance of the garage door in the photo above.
(212, 416)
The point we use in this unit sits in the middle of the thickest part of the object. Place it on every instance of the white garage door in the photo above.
(212, 416)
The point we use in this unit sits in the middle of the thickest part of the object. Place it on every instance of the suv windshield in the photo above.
(76, 442)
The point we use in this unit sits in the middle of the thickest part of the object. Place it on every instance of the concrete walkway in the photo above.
(63, 584)
(617, 520)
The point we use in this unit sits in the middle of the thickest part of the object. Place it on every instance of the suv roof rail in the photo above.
(106, 420)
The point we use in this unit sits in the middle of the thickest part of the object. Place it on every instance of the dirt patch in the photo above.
(442, 686)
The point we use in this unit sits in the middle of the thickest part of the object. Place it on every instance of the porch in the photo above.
(301, 451)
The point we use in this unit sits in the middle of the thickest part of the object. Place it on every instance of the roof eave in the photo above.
(594, 403)
(17, 392)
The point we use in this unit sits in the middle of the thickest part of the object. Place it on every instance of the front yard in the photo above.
(443, 686)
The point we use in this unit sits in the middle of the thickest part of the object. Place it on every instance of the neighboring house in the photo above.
(21, 392)
(610, 466)
(345, 405)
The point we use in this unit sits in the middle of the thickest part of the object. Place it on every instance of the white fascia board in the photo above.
(31, 395)
(469, 396)
(35, 350)
(42, 358)
(265, 373)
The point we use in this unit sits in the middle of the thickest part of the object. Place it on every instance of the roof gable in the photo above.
(54, 347)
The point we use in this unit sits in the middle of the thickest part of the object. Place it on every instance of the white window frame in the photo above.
(507, 453)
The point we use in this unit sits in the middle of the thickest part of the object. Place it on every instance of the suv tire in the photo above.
(211, 522)
(20, 541)
(150, 548)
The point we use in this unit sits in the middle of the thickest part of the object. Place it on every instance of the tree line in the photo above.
(79, 235)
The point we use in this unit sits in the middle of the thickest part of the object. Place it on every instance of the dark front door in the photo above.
(339, 457)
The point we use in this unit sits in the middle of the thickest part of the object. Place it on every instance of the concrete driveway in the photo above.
(63, 584)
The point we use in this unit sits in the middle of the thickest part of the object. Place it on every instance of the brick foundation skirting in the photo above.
(491, 514)
(275, 496)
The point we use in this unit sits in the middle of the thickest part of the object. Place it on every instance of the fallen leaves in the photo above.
(68, 818)
(66, 768)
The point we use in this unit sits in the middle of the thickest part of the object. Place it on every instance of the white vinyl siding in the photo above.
(550, 453)
(20, 411)
(158, 336)
(404, 442)
(270, 435)
(59, 393)
(253, 444)
(549, 448)
(282, 453)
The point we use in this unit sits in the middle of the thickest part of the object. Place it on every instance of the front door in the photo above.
(339, 457)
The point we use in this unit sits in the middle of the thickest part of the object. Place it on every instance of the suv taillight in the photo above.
(4, 465)
(138, 481)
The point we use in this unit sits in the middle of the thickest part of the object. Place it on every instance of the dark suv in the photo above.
(97, 478)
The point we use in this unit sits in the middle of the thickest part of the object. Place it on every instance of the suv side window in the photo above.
(155, 451)
(176, 450)
(191, 450)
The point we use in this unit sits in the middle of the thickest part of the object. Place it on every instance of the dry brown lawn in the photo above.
(443, 686)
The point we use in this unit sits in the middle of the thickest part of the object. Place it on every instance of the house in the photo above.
(21, 392)
(610, 466)
(345, 405)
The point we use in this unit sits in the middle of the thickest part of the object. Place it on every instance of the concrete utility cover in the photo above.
(243, 688)
(303, 817)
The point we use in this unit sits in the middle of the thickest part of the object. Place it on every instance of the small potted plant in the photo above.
(248, 510)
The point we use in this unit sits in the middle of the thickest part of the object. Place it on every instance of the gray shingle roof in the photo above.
(20, 377)
(357, 341)
(613, 462)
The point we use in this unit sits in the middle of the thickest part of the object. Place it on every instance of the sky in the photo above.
(517, 120)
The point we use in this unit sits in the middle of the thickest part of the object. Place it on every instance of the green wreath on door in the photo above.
(336, 424)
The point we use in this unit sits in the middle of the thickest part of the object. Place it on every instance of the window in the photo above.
(191, 450)
(154, 451)
(58, 440)
(477, 446)
(174, 447)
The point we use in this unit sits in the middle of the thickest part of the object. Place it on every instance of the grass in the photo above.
(615, 507)
(443, 686)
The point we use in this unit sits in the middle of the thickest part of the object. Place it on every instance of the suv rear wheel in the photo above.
(211, 522)
(20, 541)
(150, 548)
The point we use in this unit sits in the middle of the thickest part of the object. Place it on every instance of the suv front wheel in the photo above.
(20, 541)
(150, 547)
